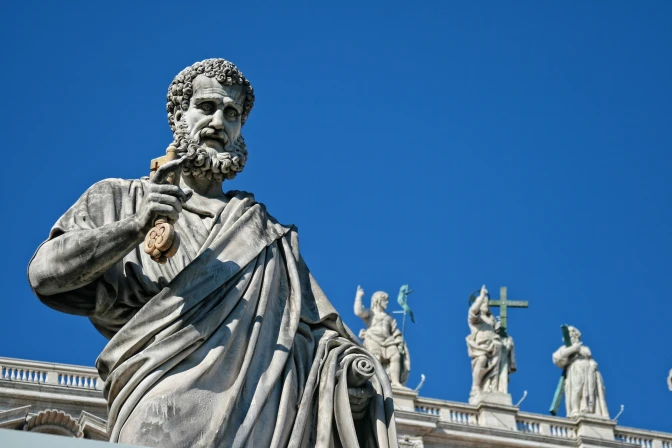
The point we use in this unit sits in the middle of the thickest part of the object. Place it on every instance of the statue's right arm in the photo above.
(78, 257)
(475, 308)
(360, 310)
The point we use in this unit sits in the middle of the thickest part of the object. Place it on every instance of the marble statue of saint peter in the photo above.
(231, 342)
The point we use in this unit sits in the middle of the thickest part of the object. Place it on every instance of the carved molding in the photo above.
(52, 421)
(93, 427)
(14, 418)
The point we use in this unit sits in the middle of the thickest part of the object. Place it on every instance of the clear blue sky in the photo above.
(443, 144)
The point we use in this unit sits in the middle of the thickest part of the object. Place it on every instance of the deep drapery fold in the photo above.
(232, 343)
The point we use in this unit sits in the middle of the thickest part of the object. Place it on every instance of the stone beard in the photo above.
(202, 161)
(231, 342)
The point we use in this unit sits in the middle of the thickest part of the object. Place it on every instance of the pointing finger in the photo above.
(167, 168)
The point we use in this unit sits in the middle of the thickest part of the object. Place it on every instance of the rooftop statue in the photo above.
(491, 350)
(219, 336)
(583, 385)
(382, 336)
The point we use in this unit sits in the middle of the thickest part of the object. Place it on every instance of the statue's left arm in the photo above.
(563, 355)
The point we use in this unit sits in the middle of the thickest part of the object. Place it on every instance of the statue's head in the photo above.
(208, 104)
(379, 300)
(574, 334)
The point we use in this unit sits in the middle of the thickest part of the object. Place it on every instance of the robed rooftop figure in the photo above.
(230, 342)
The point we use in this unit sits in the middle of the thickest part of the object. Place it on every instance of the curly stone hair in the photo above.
(180, 90)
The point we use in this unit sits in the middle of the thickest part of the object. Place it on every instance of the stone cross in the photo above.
(504, 304)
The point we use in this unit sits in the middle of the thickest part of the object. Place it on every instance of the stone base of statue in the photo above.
(495, 410)
(404, 399)
(491, 398)
(595, 426)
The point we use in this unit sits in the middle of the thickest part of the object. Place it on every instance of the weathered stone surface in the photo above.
(229, 341)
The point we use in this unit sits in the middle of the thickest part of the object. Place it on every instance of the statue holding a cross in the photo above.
(490, 347)
(581, 381)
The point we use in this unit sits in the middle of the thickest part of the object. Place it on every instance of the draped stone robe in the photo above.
(382, 339)
(483, 341)
(230, 343)
(584, 386)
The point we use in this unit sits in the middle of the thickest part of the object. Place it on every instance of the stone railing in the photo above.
(52, 374)
(443, 418)
(642, 438)
(448, 411)
(545, 425)
(537, 424)
(466, 414)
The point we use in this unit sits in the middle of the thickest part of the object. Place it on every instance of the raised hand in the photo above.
(162, 200)
(360, 292)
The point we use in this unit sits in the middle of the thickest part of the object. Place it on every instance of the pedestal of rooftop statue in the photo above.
(495, 410)
(404, 399)
(593, 430)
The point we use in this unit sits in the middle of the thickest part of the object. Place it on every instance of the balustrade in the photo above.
(528, 426)
(53, 374)
(76, 377)
(563, 432)
(643, 438)
(461, 417)
(427, 410)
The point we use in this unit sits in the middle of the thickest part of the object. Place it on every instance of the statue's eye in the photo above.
(231, 113)
(207, 107)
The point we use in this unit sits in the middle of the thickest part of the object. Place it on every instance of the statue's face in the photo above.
(574, 337)
(383, 302)
(214, 115)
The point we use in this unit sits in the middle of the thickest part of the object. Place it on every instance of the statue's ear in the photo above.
(178, 117)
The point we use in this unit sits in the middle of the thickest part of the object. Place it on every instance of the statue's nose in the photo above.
(217, 120)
